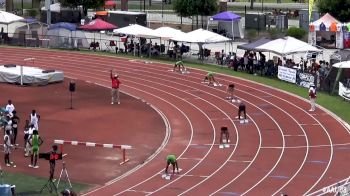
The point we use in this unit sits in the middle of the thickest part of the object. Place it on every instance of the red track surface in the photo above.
(284, 148)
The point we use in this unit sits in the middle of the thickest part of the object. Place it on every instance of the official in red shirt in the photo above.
(312, 96)
(115, 88)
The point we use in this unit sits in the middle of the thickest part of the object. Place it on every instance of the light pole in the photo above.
(162, 12)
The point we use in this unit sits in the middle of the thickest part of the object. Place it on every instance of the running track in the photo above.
(284, 148)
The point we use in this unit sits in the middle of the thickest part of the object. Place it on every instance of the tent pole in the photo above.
(208, 24)
(233, 33)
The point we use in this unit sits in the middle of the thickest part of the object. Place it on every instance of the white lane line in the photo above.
(298, 135)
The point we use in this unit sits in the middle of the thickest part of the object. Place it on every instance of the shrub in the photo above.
(274, 33)
(32, 13)
(296, 32)
(251, 34)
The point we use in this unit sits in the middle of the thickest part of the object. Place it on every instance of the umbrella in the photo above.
(110, 4)
(98, 25)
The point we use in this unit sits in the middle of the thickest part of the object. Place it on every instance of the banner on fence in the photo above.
(305, 79)
(344, 91)
(287, 74)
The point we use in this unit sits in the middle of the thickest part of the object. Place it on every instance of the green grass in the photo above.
(335, 104)
(30, 185)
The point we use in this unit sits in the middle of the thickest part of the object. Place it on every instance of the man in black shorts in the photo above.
(224, 132)
(241, 108)
(230, 90)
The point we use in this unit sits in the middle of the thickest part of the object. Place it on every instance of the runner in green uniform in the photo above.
(210, 78)
(179, 65)
(171, 159)
(35, 142)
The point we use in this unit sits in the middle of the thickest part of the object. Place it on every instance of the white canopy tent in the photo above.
(344, 65)
(56, 7)
(137, 31)
(287, 46)
(168, 33)
(201, 36)
(6, 19)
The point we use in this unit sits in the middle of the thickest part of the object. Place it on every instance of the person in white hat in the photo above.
(312, 97)
(115, 88)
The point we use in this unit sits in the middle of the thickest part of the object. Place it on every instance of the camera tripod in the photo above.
(50, 185)
(64, 173)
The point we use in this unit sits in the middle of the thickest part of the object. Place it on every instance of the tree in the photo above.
(87, 4)
(340, 9)
(189, 8)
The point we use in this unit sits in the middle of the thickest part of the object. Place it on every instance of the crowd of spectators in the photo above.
(256, 63)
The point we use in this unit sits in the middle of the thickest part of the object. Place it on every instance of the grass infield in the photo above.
(31, 185)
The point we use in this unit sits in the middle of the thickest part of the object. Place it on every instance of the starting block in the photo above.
(205, 82)
(166, 177)
(238, 101)
(226, 145)
(221, 146)
(185, 72)
(243, 121)
(217, 84)
(233, 101)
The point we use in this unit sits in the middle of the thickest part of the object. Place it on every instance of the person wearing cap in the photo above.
(171, 159)
(209, 78)
(312, 97)
(115, 88)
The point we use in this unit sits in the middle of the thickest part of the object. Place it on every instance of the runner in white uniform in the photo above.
(10, 107)
(34, 119)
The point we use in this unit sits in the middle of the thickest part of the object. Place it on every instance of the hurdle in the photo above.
(91, 144)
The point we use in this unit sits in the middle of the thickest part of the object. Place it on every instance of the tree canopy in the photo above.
(340, 9)
(187, 8)
(87, 4)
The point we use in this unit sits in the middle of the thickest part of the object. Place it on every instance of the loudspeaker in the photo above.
(10, 65)
(71, 86)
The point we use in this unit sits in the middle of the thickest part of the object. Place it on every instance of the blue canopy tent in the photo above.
(64, 25)
(228, 17)
(60, 34)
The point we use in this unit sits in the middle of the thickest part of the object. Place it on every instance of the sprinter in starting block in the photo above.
(224, 142)
(230, 91)
(180, 66)
(242, 109)
(171, 159)
(210, 80)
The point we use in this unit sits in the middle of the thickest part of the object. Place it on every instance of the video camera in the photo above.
(51, 156)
